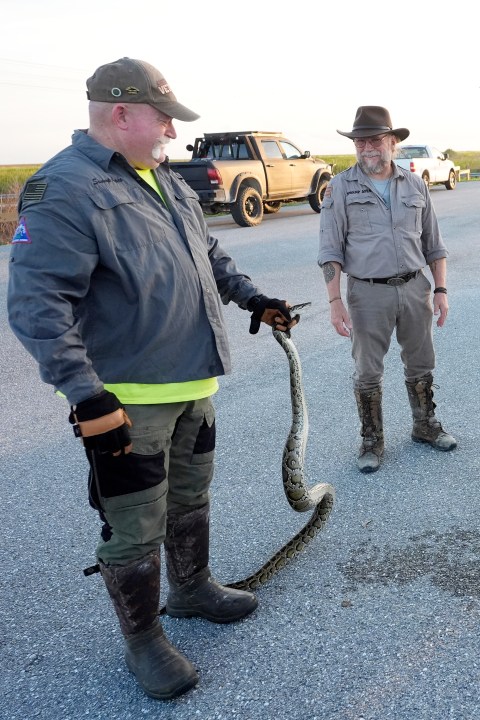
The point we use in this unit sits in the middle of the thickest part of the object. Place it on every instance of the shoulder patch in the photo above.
(21, 233)
(34, 191)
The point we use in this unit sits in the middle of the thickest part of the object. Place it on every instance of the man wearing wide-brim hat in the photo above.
(378, 226)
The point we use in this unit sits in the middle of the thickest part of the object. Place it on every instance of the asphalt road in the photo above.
(377, 620)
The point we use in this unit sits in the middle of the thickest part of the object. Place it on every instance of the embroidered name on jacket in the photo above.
(106, 180)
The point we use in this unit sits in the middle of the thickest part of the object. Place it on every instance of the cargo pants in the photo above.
(170, 468)
(376, 311)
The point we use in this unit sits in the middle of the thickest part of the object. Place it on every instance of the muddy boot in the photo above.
(369, 404)
(426, 427)
(193, 591)
(161, 670)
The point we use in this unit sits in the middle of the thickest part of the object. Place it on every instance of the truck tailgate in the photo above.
(194, 173)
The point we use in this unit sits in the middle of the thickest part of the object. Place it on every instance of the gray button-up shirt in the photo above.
(107, 285)
(358, 230)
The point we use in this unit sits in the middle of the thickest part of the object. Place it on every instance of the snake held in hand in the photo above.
(318, 498)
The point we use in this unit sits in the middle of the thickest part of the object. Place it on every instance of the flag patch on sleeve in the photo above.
(34, 191)
(21, 233)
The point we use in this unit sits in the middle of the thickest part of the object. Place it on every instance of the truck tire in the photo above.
(269, 208)
(315, 199)
(452, 181)
(426, 179)
(247, 210)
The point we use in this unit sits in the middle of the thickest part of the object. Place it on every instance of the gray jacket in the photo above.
(358, 231)
(108, 286)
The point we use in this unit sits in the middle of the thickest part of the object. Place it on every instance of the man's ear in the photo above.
(119, 116)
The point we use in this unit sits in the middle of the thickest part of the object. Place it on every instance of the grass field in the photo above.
(12, 177)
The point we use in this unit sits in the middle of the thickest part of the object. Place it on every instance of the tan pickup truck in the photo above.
(251, 173)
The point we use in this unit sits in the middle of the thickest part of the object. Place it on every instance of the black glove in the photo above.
(257, 306)
(102, 423)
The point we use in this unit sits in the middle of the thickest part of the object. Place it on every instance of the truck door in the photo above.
(277, 170)
(301, 169)
(438, 166)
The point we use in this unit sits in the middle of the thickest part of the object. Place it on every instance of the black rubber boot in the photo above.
(369, 405)
(161, 670)
(193, 591)
(426, 427)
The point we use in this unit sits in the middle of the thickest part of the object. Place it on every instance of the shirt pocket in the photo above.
(413, 208)
(107, 196)
(182, 190)
(360, 209)
(326, 216)
(189, 203)
(125, 217)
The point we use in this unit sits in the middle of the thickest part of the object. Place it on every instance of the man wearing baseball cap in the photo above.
(135, 81)
(116, 289)
(379, 227)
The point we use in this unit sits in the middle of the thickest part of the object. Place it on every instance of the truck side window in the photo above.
(290, 151)
(271, 149)
(242, 151)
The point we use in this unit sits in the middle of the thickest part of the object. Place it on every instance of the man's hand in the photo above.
(271, 311)
(340, 318)
(102, 423)
(440, 307)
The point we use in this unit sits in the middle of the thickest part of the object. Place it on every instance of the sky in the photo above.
(301, 68)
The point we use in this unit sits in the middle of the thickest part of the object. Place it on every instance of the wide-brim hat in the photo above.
(135, 81)
(374, 120)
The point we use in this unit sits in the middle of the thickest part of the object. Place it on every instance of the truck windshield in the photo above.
(408, 153)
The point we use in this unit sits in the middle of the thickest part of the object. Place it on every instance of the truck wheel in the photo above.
(248, 208)
(452, 181)
(315, 199)
(269, 208)
(426, 179)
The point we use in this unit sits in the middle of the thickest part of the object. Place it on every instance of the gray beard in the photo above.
(375, 169)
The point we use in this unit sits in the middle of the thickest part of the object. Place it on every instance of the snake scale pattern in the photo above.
(319, 498)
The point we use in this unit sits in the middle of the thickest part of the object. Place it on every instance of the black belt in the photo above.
(396, 280)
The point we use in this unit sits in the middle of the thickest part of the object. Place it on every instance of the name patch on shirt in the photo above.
(95, 181)
(21, 233)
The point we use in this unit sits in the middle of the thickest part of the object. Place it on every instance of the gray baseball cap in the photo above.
(135, 81)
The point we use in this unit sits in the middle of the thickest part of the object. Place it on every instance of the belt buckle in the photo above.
(396, 281)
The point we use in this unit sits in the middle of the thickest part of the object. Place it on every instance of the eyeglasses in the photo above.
(374, 141)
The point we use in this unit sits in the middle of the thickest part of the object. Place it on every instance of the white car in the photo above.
(432, 165)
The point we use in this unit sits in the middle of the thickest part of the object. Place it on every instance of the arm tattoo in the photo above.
(328, 272)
